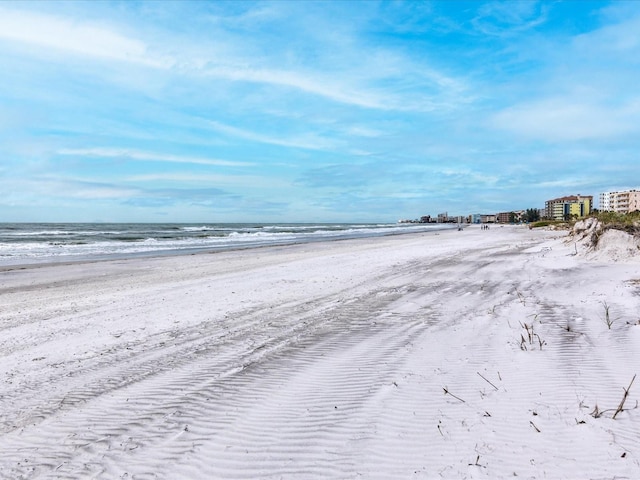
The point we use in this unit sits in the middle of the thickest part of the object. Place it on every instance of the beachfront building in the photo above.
(620, 202)
(605, 201)
(510, 217)
(487, 218)
(520, 215)
(564, 208)
(504, 217)
(474, 218)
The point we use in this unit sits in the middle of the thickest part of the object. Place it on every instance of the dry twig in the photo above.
(447, 392)
(481, 376)
(624, 398)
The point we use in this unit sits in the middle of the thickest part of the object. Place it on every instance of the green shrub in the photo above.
(545, 223)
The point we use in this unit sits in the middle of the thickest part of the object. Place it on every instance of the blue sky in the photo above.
(313, 111)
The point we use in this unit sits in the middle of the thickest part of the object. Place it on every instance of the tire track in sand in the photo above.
(204, 399)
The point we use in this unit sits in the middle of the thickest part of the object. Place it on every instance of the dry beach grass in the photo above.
(474, 354)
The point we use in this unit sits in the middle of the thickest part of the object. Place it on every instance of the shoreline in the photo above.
(192, 250)
(205, 251)
(323, 359)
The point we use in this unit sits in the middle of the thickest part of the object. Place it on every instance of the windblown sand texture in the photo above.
(329, 360)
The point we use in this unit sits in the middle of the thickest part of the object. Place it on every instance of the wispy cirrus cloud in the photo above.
(326, 108)
(365, 84)
(565, 182)
(242, 181)
(312, 82)
(307, 141)
(79, 188)
(564, 119)
(507, 18)
(60, 186)
(622, 37)
(149, 156)
(83, 38)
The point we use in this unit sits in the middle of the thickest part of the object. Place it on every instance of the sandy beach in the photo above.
(473, 354)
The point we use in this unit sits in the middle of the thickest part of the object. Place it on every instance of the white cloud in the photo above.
(100, 42)
(348, 84)
(310, 142)
(360, 131)
(98, 192)
(307, 82)
(505, 18)
(404, 195)
(76, 37)
(468, 176)
(565, 119)
(150, 156)
(621, 37)
(252, 181)
(54, 186)
(564, 183)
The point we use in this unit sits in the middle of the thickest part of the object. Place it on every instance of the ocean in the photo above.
(32, 243)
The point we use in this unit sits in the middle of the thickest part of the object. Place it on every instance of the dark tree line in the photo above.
(532, 215)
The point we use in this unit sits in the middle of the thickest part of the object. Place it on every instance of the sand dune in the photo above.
(327, 360)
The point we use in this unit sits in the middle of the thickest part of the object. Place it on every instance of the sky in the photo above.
(305, 111)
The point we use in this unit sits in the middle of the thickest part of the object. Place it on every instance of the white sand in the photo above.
(325, 361)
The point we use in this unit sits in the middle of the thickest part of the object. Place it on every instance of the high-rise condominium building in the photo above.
(620, 202)
(564, 208)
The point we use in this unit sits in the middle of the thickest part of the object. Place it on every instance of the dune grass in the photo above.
(627, 222)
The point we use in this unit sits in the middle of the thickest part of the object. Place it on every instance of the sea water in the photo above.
(28, 243)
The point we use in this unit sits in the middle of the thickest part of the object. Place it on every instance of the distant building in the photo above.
(520, 215)
(487, 218)
(475, 218)
(605, 201)
(504, 217)
(564, 208)
(620, 202)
